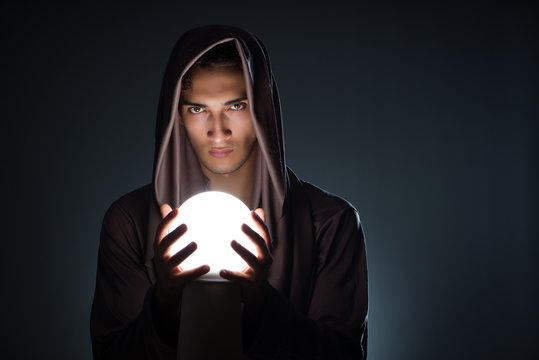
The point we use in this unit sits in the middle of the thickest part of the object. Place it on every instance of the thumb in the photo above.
(165, 209)
(260, 213)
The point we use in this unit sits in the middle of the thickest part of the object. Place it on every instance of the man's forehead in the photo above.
(222, 84)
(201, 76)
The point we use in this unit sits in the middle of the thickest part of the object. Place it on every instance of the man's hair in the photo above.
(221, 57)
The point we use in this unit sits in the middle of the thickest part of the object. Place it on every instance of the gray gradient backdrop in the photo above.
(423, 115)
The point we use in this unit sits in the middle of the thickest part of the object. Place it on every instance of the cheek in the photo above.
(247, 129)
(249, 139)
(194, 131)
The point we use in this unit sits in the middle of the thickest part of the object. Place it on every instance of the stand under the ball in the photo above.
(210, 321)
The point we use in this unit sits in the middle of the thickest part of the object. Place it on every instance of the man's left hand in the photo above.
(254, 279)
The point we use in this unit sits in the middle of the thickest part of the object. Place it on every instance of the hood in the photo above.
(176, 174)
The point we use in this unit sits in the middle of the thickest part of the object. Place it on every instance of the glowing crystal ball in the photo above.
(213, 220)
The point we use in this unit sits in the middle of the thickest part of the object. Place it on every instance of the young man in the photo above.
(219, 128)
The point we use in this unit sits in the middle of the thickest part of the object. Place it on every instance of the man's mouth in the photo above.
(220, 152)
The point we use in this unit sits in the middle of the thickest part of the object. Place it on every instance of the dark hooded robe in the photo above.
(316, 307)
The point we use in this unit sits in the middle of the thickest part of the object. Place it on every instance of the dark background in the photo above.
(422, 114)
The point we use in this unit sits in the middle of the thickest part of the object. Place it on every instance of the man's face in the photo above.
(216, 117)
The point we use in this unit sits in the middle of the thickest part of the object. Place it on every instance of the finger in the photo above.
(260, 223)
(190, 275)
(259, 242)
(261, 214)
(165, 209)
(181, 255)
(246, 255)
(165, 244)
(235, 276)
(166, 223)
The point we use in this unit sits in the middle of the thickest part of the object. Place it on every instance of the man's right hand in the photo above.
(170, 277)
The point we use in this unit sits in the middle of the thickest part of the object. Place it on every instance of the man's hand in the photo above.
(170, 278)
(254, 279)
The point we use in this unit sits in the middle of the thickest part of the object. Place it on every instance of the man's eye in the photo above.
(195, 110)
(238, 106)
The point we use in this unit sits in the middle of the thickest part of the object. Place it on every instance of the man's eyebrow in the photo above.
(187, 103)
(236, 100)
(229, 102)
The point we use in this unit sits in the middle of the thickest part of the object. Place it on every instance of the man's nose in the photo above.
(218, 127)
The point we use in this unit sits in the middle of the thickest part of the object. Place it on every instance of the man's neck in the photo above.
(238, 183)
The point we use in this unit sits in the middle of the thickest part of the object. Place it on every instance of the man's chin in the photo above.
(221, 170)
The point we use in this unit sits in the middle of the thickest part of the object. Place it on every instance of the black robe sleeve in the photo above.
(335, 326)
(121, 321)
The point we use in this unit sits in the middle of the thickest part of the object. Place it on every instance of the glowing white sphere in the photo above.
(213, 220)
